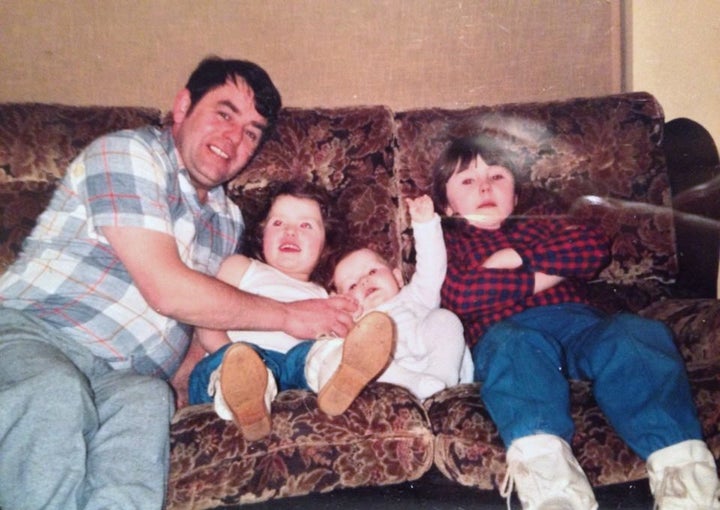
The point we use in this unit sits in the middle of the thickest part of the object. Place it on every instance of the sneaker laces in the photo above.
(508, 483)
(214, 382)
(512, 472)
(540, 479)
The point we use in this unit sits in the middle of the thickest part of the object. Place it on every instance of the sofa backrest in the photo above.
(600, 157)
(37, 142)
(346, 150)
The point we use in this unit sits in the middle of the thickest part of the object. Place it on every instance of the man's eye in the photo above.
(468, 181)
(352, 287)
(372, 272)
(497, 177)
(252, 136)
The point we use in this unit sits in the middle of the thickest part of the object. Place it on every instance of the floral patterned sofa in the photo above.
(602, 158)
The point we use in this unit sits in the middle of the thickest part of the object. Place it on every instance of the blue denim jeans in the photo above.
(288, 369)
(639, 379)
(74, 433)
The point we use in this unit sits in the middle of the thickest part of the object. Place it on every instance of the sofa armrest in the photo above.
(694, 171)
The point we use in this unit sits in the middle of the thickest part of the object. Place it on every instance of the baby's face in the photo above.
(365, 276)
(294, 236)
(483, 194)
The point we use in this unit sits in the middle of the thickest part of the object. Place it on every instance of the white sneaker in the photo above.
(684, 477)
(546, 475)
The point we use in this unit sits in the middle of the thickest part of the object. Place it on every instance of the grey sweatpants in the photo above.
(74, 433)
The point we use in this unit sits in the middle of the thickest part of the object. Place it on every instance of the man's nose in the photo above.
(235, 135)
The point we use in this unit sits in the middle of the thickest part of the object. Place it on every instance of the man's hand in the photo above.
(313, 318)
(421, 208)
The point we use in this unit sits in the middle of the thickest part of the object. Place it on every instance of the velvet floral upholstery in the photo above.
(346, 150)
(38, 141)
(383, 438)
(597, 158)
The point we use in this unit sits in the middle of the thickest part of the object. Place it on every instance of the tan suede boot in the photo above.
(246, 388)
(366, 351)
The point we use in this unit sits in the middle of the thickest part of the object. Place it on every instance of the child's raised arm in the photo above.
(421, 208)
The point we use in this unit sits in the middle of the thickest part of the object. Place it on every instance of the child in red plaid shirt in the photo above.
(516, 285)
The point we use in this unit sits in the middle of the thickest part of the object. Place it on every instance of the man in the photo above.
(99, 307)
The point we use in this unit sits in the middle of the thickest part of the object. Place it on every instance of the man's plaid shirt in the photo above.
(68, 275)
(552, 245)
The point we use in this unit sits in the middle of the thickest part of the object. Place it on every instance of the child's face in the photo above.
(365, 276)
(483, 194)
(294, 236)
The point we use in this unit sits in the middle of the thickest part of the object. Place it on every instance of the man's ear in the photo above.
(181, 106)
(398, 277)
(449, 211)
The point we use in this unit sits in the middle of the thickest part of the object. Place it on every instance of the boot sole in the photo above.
(366, 352)
(243, 379)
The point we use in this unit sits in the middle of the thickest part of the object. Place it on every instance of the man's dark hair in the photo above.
(215, 72)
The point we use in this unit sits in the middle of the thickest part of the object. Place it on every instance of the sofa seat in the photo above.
(383, 438)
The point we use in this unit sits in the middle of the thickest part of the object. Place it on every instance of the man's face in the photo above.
(218, 137)
(483, 194)
(365, 276)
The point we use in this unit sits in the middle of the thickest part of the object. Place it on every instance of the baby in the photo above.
(430, 352)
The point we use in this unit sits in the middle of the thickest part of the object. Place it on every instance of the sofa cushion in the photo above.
(600, 156)
(37, 141)
(346, 150)
(383, 438)
(468, 448)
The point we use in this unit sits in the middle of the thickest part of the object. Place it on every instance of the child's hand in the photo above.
(545, 281)
(421, 208)
(507, 258)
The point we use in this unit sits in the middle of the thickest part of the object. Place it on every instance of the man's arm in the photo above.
(173, 289)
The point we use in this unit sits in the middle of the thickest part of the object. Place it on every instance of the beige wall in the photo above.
(676, 55)
(403, 53)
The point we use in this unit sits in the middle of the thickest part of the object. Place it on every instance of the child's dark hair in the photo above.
(460, 153)
(252, 245)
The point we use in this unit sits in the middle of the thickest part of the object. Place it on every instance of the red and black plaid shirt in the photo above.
(547, 244)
